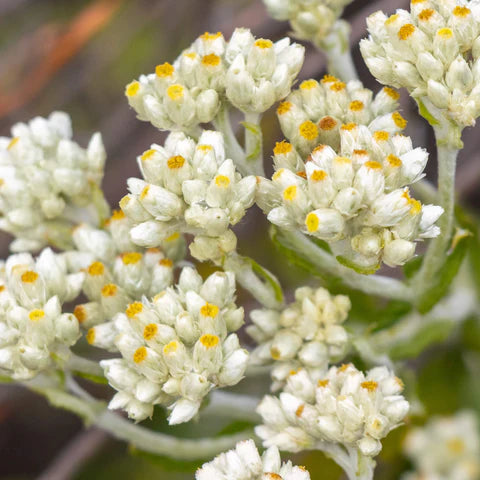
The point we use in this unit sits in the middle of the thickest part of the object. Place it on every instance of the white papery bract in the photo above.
(356, 198)
(346, 408)
(116, 271)
(176, 348)
(315, 112)
(251, 74)
(245, 463)
(46, 181)
(308, 334)
(446, 448)
(188, 187)
(33, 329)
(311, 20)
(433, 51)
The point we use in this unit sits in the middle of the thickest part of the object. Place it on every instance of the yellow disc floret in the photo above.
(281, 148)
(312, 222)
(211, 60)
(209, 310)
(132, 88)
(164, 70)
(308, 130)
(209, 341)
(109, 290)
(96, 269)
(290, 193)
(175, 92)
(36, 315)
(131, 258)
(29, 276)
(140, 355)
(133, 309)
(263, 43)
(150, 331)
(175, 162)
(222, 181)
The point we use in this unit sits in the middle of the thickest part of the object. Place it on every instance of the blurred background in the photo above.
(77, 56)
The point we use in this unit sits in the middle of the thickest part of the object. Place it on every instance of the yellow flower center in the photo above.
(165, 262)
(36, 315)
(281, 148)
(459, 11)
(329, 79)
(369, 385)
(211, 60)
(209, 310)
(394, 161)
(150, 331)
(90, 336)
(133, 309)
(308, 84)
(29, 276)
(290, 193)
(356, 106)
(381, 136)
(140, 355)
(170, 347)
(210, 36)
(175, 92)
(406, 31)
(96, 269)
(147, 155)
(263, 43)
(327, 123)
(391, 93)
(164, 70)
(175, 162)
(117, 215)
(445, 33)
(373, 165)
(399, 121)
(349, 126)
(323, 383)
(312, 222)
(308, 130)
(426, 14)
(284, 107)
(318, 175)
(222, 181)
(132, 88)
(209, 341)
(13, 142)
(109, 290)
(80, 313)
(131, 258)
(338, 86)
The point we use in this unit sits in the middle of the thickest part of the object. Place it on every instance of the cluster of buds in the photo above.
(251, 74)
(433, 51)
(344, 408)
(355, 198)
(447, 448)
(113, 277)
(33, 329)
(308, 334)
(314, 113)
(311, 20)
(176, 348)
(45, 178)
(191, 188)
(245, 463)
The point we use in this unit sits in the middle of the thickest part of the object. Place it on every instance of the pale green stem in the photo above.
(95, 413)
(261, 290)
(372, 284)
(339, 55)
(437, 250)
(232, 405)
(84, 366)
(350, 459)
(254, 144)
(234, 150)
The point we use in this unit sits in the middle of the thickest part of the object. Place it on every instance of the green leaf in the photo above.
(388, 316)
(357, 268)
(291, 255)
(268, 277)
(91, 377)
(5, 379)
(255, 129)
(423, 110)
(437, 332)
(447, 273)
(412, 266)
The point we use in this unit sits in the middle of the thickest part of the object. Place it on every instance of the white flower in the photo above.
(252, 74)
(445, 448)
(432, 51)
(190, 188)
(245, 463)
(355, 197)
(310, 20)
(33, 329)
(346, 407)
(45, 179)
(307, 334)
(176, 348)
(315, 112)
(261, 72)
(116, 271)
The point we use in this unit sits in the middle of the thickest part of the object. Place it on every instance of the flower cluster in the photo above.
(176, 348)
(433, 52)
(45, 178)
(308, 334)
(355, 198)
(245, 463)
(314, 113)
(345, 407)
(447, 448)
(33, 329)
(310, 20)
(116, 272)
(251, 74)
(191, 188)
